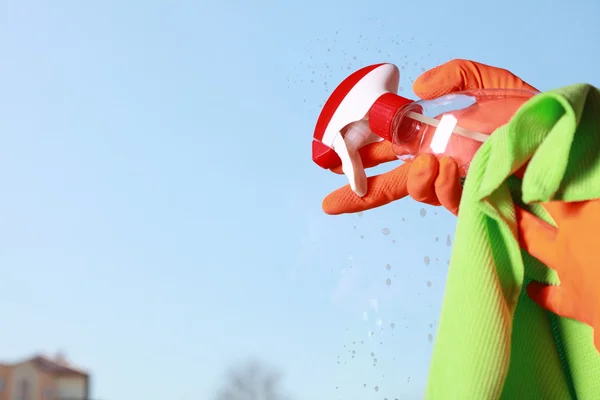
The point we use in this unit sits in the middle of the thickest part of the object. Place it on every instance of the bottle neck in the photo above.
(382, 113)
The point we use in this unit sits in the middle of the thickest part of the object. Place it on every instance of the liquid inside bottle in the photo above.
(454, 125)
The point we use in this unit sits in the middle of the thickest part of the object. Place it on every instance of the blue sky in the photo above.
(160, 214)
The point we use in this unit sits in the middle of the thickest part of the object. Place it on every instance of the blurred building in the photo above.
(43, 378)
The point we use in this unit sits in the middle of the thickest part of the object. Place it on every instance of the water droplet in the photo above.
(385, 231)
(437, 239)
(448, 241)
(394, 241)
(423, 212)
(388, 267)
(427, 260)
(376, 388)
(430, 338)
(388, 281)
(362, 236)
(428, 283)
(431, 325)
(360, 214)
(392, 325)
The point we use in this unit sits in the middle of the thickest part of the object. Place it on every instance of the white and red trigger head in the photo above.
(350, 102)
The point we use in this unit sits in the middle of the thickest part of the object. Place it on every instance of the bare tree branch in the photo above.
(252, 381)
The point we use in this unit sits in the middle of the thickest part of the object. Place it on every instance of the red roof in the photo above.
(56, 367)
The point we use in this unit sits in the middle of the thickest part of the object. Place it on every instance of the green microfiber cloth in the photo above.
(493, 342)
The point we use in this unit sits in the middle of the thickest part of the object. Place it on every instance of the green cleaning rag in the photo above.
(493, 342)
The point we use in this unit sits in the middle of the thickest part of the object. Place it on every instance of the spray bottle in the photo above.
(365, 108)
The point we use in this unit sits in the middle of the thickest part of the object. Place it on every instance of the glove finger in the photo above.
(551, 298)
(421, 179)
(458, 74)
(382, 189)
(538, 238)
(447, 184)
(546, 296)
(373, 155)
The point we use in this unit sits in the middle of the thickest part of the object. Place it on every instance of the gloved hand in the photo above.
(572, 250)
(426, 179)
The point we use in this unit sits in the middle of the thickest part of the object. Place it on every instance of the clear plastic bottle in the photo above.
(454, 125)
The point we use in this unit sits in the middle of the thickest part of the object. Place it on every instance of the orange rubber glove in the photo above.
(573, 251)
(426, 179)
